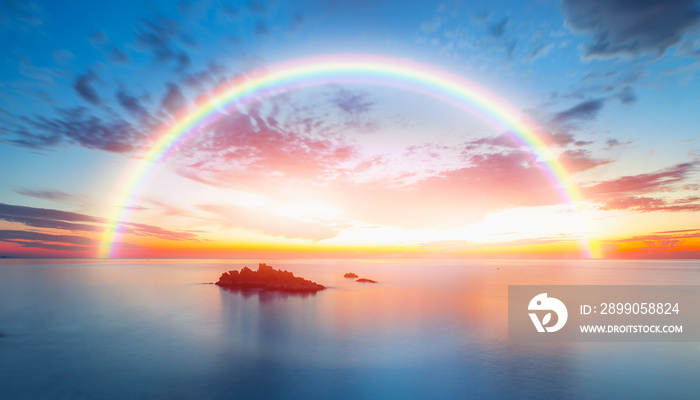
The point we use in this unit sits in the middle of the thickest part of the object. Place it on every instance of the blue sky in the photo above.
(85, 85)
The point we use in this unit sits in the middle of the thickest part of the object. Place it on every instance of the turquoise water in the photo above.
(429, 329)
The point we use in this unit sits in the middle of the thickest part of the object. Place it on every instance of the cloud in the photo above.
(580, 160)
(173, 100)
(627, 95)
(83, 86)
(497, 36)
(682, 244)
(204, 79)
(75, 222)
(254, 152)
(630, 28)
(101, 42)
(130, 103)
(256, 145)
(643, 183)
(511, 141)
(650, 204)
(586, 110)
(352, 103)
(80, 126)
(539, 52)
(160, 37)
(48, 241)
(613, 143)
(453, 197)
(53, 195)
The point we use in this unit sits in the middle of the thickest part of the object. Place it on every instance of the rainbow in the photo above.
(305, 72)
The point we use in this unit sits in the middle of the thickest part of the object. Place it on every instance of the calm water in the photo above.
(122, 329)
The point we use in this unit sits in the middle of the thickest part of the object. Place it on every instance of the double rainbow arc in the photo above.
(279, 78)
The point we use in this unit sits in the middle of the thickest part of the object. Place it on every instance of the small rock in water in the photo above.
(267, 278)
(365, 280)
(350, 275)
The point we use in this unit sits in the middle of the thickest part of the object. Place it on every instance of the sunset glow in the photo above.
(445, 137)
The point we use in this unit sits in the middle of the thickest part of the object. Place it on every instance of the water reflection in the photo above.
(266, 295)
(428, 330)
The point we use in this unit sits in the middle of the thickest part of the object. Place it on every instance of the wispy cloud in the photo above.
(75, 222)
(162, 38)
(79, 126)
(586, 110)
(53, 195)
(643, 183)
(83, 85)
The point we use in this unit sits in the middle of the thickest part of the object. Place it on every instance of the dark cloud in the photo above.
(83, 86)
(48, 241)
(213, 74)
(160, 37)
(75, 222)
(586, 110)
(130, 103)
(81, 127)
(630, 27)
(173, 100)
(12, 211)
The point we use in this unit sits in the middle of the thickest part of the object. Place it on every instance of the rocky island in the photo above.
(350, 275)
(267, 278)
(365, 280)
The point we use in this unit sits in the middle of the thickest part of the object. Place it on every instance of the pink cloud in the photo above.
(643, 183)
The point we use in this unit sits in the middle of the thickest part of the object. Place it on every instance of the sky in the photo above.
(353, 167)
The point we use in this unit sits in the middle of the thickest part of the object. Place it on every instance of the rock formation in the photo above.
(350, 275)
(267, 278)
(365, 280)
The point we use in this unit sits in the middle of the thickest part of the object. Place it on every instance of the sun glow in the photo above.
(438, 84)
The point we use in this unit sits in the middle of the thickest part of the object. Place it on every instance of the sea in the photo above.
(429, 329)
